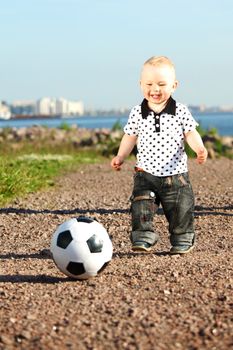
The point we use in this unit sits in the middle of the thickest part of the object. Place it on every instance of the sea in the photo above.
(223, 122)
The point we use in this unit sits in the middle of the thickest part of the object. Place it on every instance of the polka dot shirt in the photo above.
(161, 137)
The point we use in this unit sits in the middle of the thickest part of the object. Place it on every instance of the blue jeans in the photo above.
(175, 195)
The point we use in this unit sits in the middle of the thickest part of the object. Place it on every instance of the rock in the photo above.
(7, 340)
(227, 141)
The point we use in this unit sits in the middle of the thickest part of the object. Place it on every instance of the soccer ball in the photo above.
(81, 247)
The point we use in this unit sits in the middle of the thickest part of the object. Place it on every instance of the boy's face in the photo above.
(157, 83)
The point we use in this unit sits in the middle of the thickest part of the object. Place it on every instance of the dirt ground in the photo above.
(140, 301)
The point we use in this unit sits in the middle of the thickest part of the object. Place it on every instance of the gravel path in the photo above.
(140, 301)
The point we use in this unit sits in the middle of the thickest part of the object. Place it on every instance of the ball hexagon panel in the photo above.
(77, 251)
(93, 264)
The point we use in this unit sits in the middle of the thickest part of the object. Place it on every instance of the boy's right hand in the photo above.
(117, 162)
(202, 155)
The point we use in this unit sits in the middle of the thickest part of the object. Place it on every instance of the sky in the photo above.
(93, 50)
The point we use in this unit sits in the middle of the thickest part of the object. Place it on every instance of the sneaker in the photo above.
(181, 249)
(141, 246)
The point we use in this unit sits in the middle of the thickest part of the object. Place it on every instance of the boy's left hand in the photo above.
(202, 155)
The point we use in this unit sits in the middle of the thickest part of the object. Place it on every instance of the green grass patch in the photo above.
(30, 172)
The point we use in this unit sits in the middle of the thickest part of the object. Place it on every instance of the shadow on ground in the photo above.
(199, 210)
(34, 279)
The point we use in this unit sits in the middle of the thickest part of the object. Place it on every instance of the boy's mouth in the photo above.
(156, 97)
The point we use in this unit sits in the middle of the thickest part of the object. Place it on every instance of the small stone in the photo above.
(12, 320)
(6, 339)
(167, 292)
(175, 274)
(31, 317)
(26, 334)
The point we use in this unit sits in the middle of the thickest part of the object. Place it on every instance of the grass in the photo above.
(27, 167)
(24, 173)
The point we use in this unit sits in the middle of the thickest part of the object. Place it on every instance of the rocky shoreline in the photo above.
(104, 139)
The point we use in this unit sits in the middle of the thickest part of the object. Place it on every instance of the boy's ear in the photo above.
(175, 84)
(140, 83)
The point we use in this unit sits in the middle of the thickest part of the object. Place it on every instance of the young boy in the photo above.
(159, 126)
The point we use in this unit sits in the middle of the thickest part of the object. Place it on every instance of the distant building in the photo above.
(61, 106)
(226, 108)
(67, 108)
(75, 108)
(5, 112)
(23, 107)
(46, 106)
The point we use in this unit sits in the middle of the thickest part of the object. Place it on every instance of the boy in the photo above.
(159, 127)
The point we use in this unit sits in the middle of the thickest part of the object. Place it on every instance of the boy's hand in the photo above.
(117, 162)
(202, 155)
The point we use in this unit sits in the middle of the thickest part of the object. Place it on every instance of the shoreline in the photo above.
(105, 140)
(223, 123)
(101, 115)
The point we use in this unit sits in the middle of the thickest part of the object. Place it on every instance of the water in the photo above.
(223, 122)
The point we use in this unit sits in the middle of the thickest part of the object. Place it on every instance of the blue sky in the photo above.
(93, 50)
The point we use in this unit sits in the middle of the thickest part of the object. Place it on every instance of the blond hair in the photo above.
(159, 60)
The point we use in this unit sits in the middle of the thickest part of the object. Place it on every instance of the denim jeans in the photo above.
(175, 195)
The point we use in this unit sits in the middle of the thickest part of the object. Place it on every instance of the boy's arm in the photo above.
(194, 140)
(126, 146)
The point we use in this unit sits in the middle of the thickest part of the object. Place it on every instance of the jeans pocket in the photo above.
(183, 179)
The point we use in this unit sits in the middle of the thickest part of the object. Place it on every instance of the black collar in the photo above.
(170, 108)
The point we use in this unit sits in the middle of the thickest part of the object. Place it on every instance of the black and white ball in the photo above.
(81, 247)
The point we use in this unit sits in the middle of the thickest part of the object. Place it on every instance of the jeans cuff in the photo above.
(182, 239)
(144, 236)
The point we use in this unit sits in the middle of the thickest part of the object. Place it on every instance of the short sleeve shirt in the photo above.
(160, 141)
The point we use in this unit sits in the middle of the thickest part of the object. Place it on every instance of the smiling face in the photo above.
(158, 82)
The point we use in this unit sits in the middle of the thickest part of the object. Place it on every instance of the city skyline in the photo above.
(63, 106)
(93, 52)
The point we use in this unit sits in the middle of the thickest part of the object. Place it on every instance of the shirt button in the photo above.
(157, 117)
(157, 125)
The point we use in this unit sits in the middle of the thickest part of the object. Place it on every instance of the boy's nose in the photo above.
(155, 88)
